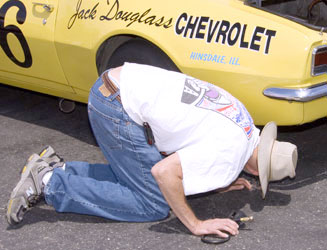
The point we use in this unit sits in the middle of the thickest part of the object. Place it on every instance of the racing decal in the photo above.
(208, 57)
(14, 30)
(223, 32)
(114, 13)
(208, 96)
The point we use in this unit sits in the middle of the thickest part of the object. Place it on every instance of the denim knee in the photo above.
(159, 214)
(163, 213)
(155, 212)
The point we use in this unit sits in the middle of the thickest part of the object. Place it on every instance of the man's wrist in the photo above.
(194, 226)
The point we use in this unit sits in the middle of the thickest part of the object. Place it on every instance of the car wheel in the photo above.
(137, 51)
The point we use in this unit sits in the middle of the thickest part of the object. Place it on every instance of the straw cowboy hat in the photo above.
(276, 160)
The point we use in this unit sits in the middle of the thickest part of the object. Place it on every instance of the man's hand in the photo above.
(217, 226)
(239, 184)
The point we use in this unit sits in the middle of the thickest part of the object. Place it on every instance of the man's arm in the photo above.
(168, 174)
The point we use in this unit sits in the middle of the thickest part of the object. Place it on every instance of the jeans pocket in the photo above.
(106, 129)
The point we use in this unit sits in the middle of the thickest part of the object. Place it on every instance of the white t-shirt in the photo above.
(211, 131)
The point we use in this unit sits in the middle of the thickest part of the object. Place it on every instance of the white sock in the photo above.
(46, 178)
(48, 175)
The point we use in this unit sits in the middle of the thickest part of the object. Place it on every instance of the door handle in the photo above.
(47, 7)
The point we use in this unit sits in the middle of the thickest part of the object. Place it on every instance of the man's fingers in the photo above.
(234, 187)
(223, 231)
(231, 229)
(238, 187)
(221, 234)
(229, 226)
(244, 182)
(248, 185)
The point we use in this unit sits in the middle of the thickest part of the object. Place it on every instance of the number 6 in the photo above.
(5, 30)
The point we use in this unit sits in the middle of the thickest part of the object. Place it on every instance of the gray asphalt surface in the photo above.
(293, 215)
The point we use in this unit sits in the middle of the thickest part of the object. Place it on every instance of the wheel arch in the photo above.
(111, 44)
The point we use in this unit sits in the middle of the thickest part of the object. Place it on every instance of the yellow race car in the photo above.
(270, 54)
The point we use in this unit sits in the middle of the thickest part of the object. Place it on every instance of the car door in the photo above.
(27, 50)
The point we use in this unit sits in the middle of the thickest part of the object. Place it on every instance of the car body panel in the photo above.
(239, 48)
(34, 62)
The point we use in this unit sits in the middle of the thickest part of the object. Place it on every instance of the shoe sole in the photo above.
(20, 213)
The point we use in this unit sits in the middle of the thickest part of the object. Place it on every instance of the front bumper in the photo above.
(299, 95)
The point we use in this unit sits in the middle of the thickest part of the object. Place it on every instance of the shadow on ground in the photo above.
(43, 110)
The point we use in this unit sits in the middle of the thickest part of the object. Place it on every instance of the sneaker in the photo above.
(51, 157)
(29, 189)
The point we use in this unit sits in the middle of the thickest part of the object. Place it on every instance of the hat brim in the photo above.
(267, 139)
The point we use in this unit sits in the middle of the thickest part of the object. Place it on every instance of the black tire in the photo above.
(137, 51)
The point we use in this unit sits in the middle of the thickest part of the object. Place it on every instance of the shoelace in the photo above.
(33, 199)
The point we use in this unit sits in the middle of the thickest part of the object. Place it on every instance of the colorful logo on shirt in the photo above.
(207, 96)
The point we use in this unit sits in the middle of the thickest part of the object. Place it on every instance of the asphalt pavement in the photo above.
(293, 215)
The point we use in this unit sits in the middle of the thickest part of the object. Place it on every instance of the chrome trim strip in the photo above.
(298, 95)
(314, 52)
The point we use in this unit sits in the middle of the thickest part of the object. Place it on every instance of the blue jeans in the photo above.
(124, 189)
